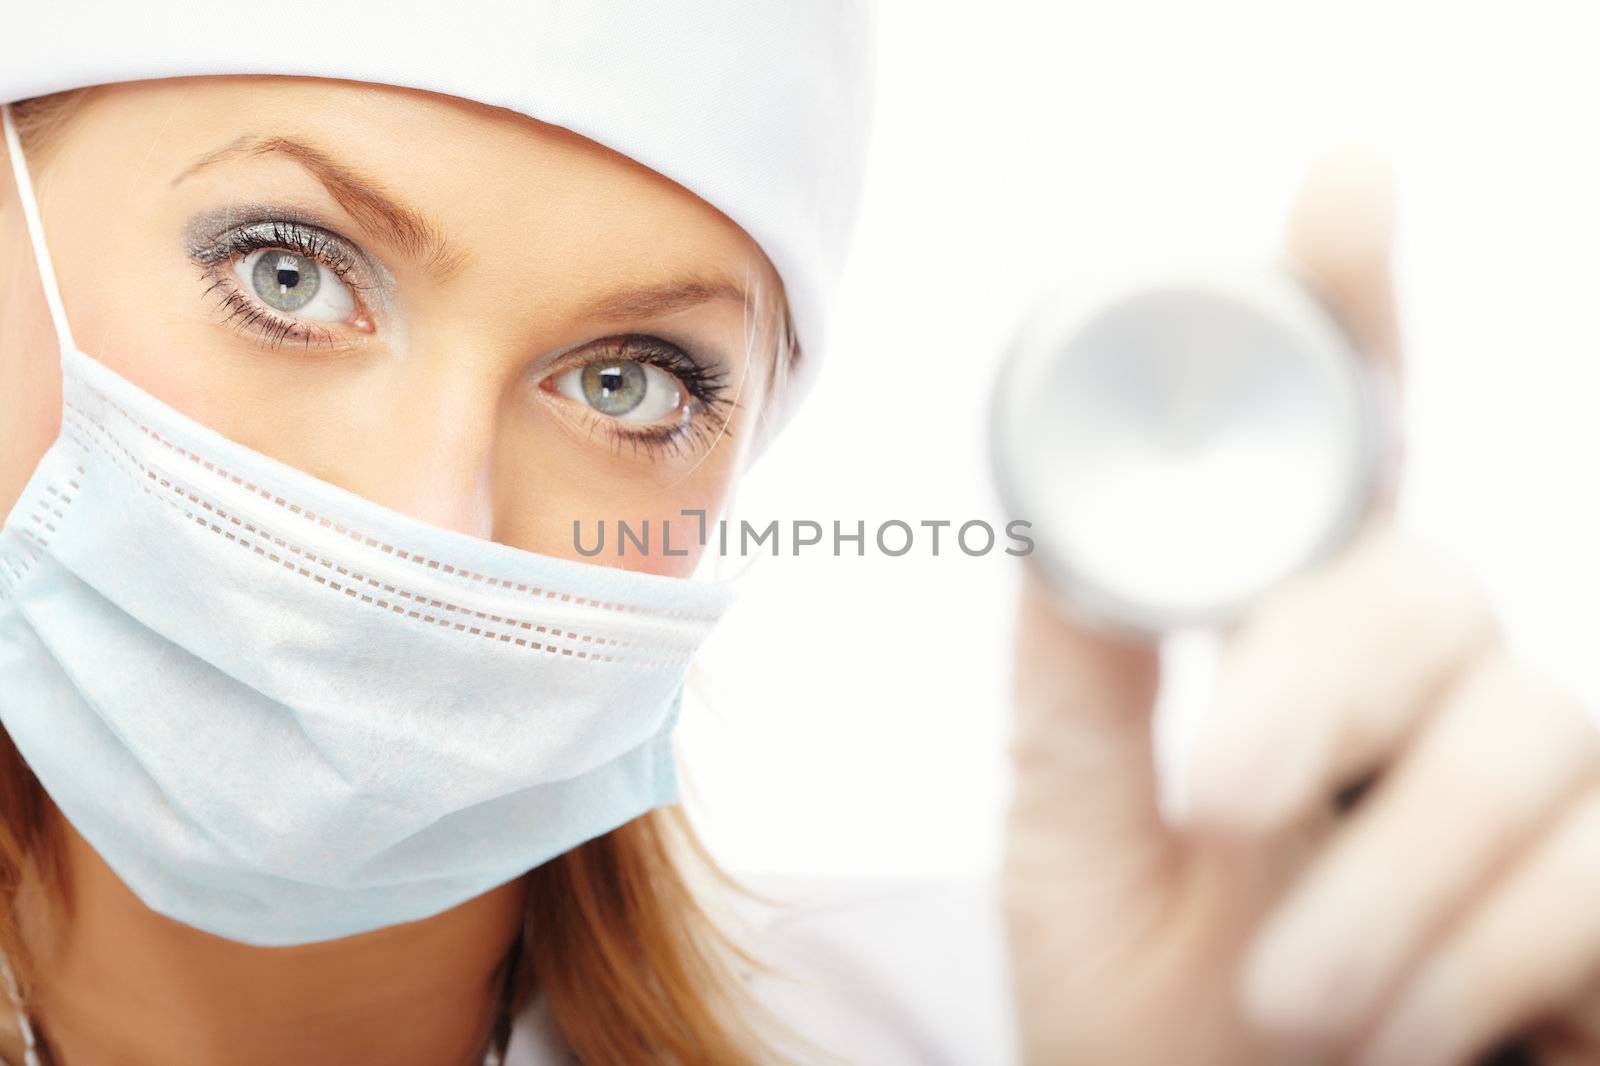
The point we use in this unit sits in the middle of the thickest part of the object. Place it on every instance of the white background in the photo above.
(854, 712)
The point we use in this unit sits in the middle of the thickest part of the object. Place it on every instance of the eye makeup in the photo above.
(251, 255)
(216, 241)
(696, 424)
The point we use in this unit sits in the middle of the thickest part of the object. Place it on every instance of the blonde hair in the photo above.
(632, 967)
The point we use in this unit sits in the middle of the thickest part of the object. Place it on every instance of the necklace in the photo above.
(34, 1055)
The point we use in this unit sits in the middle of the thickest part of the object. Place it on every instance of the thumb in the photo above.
(1088, 861)
(1084, 813)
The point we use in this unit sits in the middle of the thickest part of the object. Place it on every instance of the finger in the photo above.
(1533, 947)
(1339, 238)
(1083, 845)
(1085, 778)
(1327, 675)
(1506, 750)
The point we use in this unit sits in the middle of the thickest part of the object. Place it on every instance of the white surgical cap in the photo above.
(760, 107)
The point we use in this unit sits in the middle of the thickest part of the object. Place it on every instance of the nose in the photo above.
(436, 459)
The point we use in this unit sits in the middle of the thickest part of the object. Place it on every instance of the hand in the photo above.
(1456, 905)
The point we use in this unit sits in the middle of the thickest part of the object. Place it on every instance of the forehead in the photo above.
(498, 186)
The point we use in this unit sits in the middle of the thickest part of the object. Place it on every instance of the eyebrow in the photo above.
(633, 304)
(414, 235)
(363, 197)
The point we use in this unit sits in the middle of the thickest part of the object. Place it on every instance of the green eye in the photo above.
(297, 285)
(614, 388)
(625, 389)
(285, 281)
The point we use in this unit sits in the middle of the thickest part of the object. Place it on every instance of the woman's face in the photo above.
(482, 321)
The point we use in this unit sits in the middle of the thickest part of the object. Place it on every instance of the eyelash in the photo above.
(706, 383)
(711, 405)
(248, 316)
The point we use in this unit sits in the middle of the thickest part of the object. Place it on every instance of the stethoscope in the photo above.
(1181, 440)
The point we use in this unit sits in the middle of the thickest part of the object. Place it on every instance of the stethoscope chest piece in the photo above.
(1182, 441)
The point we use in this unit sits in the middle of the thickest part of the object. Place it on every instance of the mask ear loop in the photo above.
(30, 214)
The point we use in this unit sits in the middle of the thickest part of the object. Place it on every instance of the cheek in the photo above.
(30, 372)
(570, 488)
(139, 305)
(566, 496)
(136, 304)
(110, 322)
